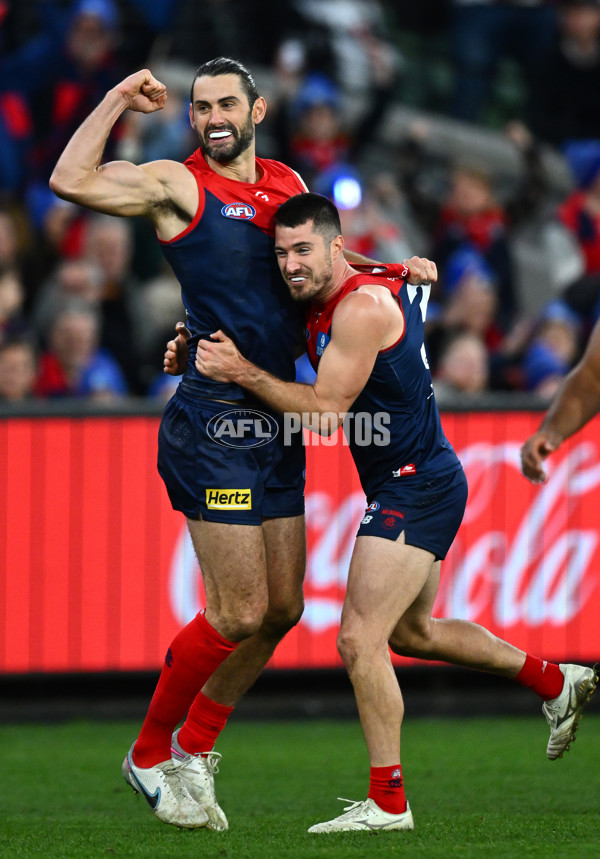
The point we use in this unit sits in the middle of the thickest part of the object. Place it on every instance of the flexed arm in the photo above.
(119, 187)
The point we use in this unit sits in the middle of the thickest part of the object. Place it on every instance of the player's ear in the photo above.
(259, 109)
(192, 123)
(337, 246)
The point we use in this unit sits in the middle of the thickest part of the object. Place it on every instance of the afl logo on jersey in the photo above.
(239, 211)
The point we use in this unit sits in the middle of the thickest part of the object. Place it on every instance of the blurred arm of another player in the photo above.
(575, 403)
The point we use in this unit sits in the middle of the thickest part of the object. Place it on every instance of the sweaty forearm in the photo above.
(291, 398)
(83, 153)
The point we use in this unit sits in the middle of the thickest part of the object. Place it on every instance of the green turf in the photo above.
(479, 787)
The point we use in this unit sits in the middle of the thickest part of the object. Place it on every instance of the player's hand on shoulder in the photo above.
(177, 351)
(143, 92)
(421, 270)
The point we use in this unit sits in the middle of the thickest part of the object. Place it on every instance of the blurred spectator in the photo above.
(328, 108)
(232, 28)
(60, 75)
(465, 301)
(107, 244)
(12, 296)
(317, 138)
(367, 227)
(16, 132)
(484, 32)
(169, 135)
(563, 101)
(356, 31)
(162, 387)
(73, 278)
(18, 369)
(580, 213)
(462, 367)
(553, 351)
(312, 128)
(464, 209)
(472, 217)
(161, 298)
(9, 243)
(74, 365)
(16, 248)
(59, 225)
(539, 353)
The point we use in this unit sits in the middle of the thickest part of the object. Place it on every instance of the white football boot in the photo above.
(199, 777)
(164, 788)
(564, 712)
(367, 815)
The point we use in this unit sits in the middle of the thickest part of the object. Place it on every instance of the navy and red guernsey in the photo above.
(398, 396)
(226, 265)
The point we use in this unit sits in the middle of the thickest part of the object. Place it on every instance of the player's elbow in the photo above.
(66, 184)
(329, 422)
(61, 185)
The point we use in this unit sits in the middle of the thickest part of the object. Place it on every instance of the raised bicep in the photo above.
(123, 188)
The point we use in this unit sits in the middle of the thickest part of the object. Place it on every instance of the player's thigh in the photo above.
(285, 546)
(233, 562)
(385, 578)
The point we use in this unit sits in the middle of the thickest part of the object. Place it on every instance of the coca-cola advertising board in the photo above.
(97, 572)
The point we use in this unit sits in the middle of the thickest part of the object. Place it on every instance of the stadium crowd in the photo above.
(377, 105)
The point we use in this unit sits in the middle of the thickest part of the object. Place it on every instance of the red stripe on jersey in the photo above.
(319, 317)
(399, 340)
(277, 183)
(197, 216)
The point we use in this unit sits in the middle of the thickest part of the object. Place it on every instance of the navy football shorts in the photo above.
(228, 463)
(429, 513)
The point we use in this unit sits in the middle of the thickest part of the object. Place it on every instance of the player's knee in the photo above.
(411, 639)
(279, 619)
(243, 623)
(348, 645)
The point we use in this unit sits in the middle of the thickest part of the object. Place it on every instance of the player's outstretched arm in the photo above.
(360, 325)
(119, 187)
(575, 403)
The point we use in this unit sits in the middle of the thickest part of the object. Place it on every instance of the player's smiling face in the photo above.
(222, 117)
(305, 261)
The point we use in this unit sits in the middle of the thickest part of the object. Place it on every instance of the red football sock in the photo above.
(386, 788)
(194, 654)
(205, 721)
(545, 678)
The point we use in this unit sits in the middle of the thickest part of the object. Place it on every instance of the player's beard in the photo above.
(317, 286)
(242, 138)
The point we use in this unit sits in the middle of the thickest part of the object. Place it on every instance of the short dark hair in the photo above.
(227, 66)
(306, 207)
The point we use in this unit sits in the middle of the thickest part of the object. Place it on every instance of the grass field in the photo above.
(479, 787)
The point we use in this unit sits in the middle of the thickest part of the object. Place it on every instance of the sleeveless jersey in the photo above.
(398, 396)
(226, 265)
